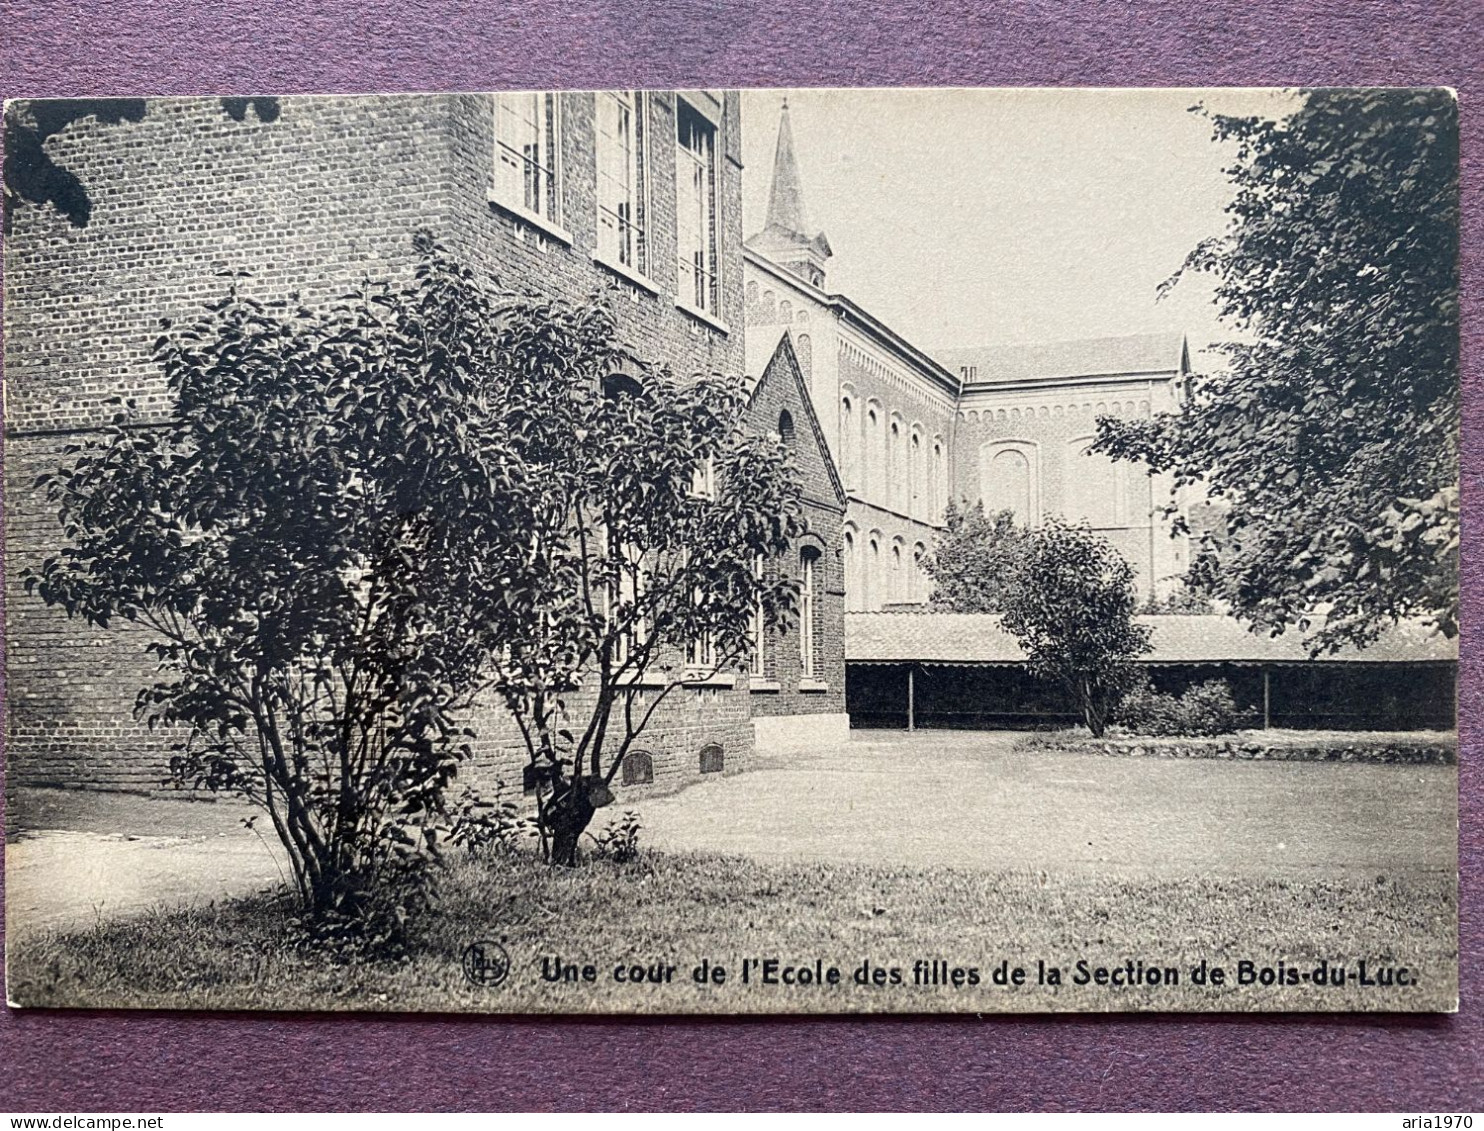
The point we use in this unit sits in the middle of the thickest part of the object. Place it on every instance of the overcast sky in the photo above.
(969, 217)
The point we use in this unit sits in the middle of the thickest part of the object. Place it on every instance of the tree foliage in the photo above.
(1070, 603)
(649, 512)
(354, 522)
(974, 559)
(1332, 431)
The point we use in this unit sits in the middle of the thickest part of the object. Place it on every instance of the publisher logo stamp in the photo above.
(486, 963)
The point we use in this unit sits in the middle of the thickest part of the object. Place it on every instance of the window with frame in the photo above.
(624, 593)
(695, 208)
(758, 661)
(700, 657)
(527, 153)
(808, 563)
(623, 179)
(703, 479)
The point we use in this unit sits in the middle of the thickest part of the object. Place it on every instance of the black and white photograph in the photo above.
(710, 551)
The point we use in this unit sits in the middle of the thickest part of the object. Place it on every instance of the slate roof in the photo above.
(1082, 357)
(969, 638)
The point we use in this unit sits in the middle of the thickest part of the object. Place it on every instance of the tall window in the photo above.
(703, 479)
(808, 559)
(915, 468)
(938, 492)
(695, 207)
(849, 441)
(526, 153)
(852, 570)
(1008, 480)
(873, 471)
(623, 179)
(625, 593)
(759, 637)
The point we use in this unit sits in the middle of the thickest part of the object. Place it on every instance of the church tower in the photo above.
(786, 239)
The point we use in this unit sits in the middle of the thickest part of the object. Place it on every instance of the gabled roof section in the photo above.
(784, 366)
(977, 638)
(1083, 357)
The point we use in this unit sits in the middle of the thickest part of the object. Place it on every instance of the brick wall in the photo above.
(787, 692)
(1049, 426)
(325, 195)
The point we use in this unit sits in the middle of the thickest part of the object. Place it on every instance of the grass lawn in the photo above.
(676, 909)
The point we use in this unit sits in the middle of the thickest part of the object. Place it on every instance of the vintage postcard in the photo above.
(810, 551)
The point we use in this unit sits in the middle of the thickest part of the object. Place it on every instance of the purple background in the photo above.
(124, 1062)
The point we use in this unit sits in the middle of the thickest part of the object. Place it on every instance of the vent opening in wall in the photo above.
(713, 761)
(528, 779)
(638, 767)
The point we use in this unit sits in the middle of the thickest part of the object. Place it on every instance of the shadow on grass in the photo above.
(676, 910)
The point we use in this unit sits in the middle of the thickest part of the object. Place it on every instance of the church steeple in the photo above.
(786, 198)
(786, 239)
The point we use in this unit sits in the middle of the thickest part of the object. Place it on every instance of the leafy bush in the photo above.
(619, 842)
(480, 825)
(1205, 709)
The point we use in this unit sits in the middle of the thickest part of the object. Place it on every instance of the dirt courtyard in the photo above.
(934, 799)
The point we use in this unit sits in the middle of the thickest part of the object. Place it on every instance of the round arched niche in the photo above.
(638, 767)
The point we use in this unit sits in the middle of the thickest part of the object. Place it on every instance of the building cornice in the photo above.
(862, 320)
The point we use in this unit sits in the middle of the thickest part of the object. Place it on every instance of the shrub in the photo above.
(480, 825)
(619, 842)
(1205, 709)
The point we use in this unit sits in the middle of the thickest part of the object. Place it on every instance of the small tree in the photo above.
(1071, 606)
(650, 516)
(354, 522)
(974, 559)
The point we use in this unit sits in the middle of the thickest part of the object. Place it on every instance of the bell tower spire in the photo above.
(787, 239)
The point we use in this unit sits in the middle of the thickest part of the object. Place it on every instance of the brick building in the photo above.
(1006, 425)
(637, 194)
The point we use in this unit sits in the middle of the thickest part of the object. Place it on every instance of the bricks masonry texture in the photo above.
(328, 194)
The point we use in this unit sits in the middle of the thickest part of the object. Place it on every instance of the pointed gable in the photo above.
(781, 388)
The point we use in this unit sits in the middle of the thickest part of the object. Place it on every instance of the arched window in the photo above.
(940, 480)
(1009, 479)
(916, 467)
(786, 427)
(849, 441)
(895, 457)
(873, 454)
(638, 767)
(808, 568)
(896, 587)
(767, 310)
(852, 569)
(713, 759)
(1094, 491)
(918, 580)
(785, 310)
(805, 350)
(871, 590)
(617, 386)
(752, 295)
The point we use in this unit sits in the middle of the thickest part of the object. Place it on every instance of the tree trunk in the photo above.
(1093, 713)
(567, 821)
